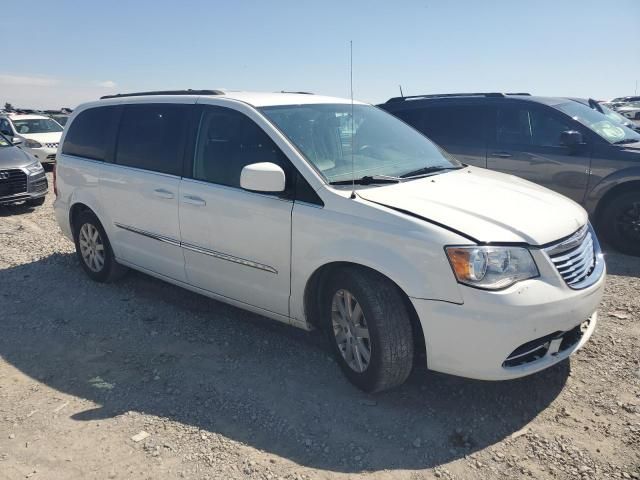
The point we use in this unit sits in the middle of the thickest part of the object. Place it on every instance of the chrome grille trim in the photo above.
(578, 259)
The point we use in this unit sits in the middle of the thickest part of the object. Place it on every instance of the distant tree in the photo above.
(8, 107)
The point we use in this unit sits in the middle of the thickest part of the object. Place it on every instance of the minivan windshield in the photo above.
(608, 129)
(382, 145)
(36, 125)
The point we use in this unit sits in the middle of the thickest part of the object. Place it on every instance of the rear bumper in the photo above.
(475, 339)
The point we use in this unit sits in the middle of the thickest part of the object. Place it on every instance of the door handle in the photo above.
(192, 200)
(162, 193)
(501, 154)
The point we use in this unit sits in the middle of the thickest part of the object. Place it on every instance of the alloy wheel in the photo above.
(91, 247)
(350, 330)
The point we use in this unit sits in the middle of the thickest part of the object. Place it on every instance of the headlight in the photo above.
(34, 168)
(491, 268)
(32, 143)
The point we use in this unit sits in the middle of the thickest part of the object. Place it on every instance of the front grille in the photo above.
(51, 157)
(12, 182)
(538, 348)
(578, 259)
(51, 145)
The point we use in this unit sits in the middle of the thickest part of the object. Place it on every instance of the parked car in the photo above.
(22, 178)
(40, 134)
(61, 116)
(630, 110)
(608, 112)
(628, 99)
(555, 142)
(289, 206)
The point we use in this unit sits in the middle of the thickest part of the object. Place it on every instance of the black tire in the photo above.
(110, 270)
(36, 202)
(620, 223)
(388, 322)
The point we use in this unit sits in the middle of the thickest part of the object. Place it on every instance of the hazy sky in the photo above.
(63, 52)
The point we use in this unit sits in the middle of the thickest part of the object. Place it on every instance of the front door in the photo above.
(236, 243)
(527, 144)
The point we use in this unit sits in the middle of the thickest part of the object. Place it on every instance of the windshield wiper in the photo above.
(367, 180)
(625, 140)
(426, 171)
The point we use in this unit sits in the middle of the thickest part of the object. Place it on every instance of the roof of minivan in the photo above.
(256, 99)
(478, 98)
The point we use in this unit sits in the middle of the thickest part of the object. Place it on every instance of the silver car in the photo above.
(22, 178)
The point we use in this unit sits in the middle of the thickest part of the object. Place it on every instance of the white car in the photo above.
(630, 110)
(289, 206)
(36, 134)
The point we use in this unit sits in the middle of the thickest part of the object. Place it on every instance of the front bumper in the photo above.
(44, 154)
(475, 339)
(36, 187)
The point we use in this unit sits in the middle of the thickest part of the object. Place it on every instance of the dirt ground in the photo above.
(222, 393)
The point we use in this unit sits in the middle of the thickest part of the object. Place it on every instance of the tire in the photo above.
(100, 267)
(36, 202)
(384, 317)
(620, 223)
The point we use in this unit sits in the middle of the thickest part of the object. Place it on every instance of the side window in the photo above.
(228, 141)
(5, 127)
(455, 125)
(451, 125)
(92, 133)
(529, 126)
(152, 137)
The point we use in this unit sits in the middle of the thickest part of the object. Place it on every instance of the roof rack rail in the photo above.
(165, 92)
(449, 95)
(300, 93)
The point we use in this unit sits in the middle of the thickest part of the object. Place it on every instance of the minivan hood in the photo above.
(485, 205)
(48, 137)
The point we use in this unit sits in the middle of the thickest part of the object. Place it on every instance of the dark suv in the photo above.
(559, 143)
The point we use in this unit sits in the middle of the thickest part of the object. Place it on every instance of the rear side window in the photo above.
(152, 137)
(449, 125)
(92, 133)
(228, 141)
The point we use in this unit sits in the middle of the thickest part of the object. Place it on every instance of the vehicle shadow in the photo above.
(16, 210)
(621, 264)
(144, 345)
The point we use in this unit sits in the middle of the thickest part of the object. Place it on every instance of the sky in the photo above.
(65, 52)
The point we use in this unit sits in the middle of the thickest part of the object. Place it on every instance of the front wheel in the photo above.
(94, 250)
(368, 328)
(621, 223)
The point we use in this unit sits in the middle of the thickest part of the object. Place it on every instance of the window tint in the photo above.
(5, 127)
(152, 137)
(92, 133)
(449, 125)
(227, 142)
(530, 126)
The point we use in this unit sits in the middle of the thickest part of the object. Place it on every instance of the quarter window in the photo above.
(92, 133)
(152, 137)
(227, 142)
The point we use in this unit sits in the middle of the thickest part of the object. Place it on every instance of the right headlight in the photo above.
(491, 268)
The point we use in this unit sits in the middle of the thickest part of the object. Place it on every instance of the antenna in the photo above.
(401, 94)
(353, 175)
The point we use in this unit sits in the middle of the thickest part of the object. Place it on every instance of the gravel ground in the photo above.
(141, 379)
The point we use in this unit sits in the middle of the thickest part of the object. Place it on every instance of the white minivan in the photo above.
(325, 214)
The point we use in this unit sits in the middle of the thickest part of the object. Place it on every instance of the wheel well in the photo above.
(313, 292)
(75, 211)
(614, 192)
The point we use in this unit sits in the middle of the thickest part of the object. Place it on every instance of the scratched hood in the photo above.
(486, 205)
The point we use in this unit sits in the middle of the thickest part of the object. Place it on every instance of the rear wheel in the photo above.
(368, 328)
(621, 222)
(94, 250)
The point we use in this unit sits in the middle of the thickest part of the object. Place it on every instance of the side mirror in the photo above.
(17, 141)
(263, 177)
(571, 138)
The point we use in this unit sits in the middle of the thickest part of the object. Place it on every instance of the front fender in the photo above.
(608, 183)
